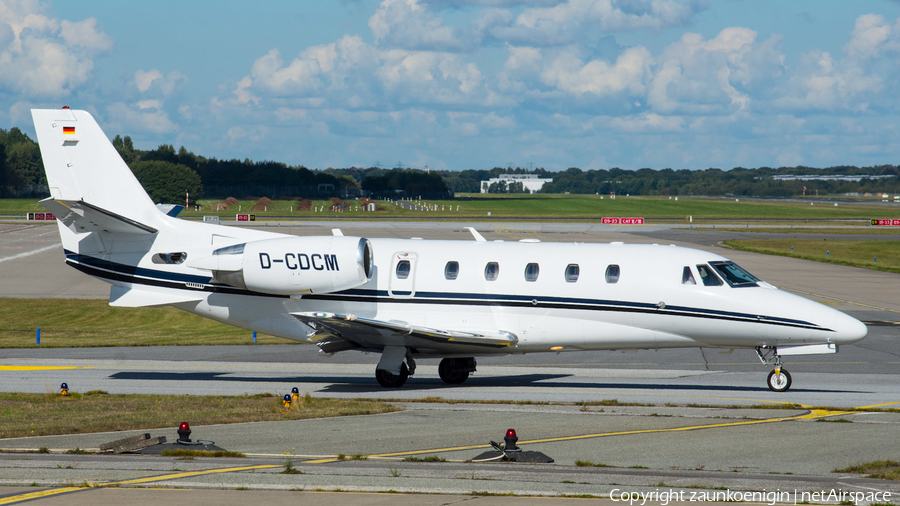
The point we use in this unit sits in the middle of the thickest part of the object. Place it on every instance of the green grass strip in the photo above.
(48, 414)
(842, 252)
(82, 322)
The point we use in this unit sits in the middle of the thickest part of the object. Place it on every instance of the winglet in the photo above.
(478, 237)
(337, 232)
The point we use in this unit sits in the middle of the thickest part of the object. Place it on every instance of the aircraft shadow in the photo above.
(350, 384)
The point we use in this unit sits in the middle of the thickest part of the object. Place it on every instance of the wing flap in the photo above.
(365, 332)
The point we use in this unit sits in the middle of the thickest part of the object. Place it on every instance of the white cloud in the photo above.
(86, 34)
(648, 122)
(164, 84)
(870, 32)
(149, 104)
(237, 133)
(573, 20)
(407, 24)
(558, 91)
(42, 56)
(350, 73)
(715, 76)
(298, 78)
(123, 117)
(568, 73)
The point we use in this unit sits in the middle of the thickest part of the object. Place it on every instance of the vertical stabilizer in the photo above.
(82, 165)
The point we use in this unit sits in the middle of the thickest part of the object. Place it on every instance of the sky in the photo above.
(470, 84)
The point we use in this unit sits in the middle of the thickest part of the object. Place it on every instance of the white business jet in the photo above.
(409, 299)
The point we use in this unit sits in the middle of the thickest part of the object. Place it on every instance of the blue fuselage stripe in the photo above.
(139, 275)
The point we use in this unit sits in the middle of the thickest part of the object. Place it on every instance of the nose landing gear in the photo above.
(779, 379)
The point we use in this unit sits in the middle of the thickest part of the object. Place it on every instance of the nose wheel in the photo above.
(779, 380)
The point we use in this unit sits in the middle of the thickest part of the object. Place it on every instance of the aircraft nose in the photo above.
(848, 329)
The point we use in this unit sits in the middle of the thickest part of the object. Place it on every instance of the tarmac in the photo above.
(687, 436)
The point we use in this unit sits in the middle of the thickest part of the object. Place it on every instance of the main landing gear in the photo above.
(779, 380)
(397, 365)
(456, 370)
(390, 380)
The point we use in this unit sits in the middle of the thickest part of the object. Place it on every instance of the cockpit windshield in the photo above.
(734, 275)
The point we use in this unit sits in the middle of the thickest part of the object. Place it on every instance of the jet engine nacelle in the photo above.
(293, 265)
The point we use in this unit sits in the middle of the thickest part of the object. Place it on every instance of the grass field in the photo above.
(820, 229)
(97, 411)
(79, 322)
(592, 207)
(550, 206)
(843, 252)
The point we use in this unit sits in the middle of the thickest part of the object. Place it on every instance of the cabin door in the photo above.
(403, 276)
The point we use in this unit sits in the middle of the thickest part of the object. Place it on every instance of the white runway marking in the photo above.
(33, 252)
(29, 238)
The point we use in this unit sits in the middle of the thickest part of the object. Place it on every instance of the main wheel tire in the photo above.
(453, 371)
(779, 382)
(388, 379)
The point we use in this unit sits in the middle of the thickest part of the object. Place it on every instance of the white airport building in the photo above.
(530, 182)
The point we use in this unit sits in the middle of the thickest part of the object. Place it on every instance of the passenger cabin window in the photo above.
(491, 271)
(734, 275)
(451, 270)
(707, 276)
(687, 278)
(531, 272)
(403, 269)
(612, 274)
(572, 272)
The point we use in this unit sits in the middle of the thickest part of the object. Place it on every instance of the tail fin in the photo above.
(83, 166)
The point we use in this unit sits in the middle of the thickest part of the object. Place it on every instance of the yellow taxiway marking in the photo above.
(841, 300)
(878, 405)
(37, 495)
(150, 479)
(37, 368)
(586, 364)
(622, 392)
(812, 414)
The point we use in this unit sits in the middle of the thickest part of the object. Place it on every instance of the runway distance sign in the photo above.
(622, 221)
(41, 216)
(888, 222)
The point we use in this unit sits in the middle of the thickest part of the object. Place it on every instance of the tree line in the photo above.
(167, 174)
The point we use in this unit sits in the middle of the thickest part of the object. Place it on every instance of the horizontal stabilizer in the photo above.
(379, 332)
(134, 297)
(80, 217)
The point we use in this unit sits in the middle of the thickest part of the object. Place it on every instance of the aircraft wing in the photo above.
(339, 332)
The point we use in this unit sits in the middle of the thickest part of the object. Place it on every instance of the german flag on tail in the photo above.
(69, 130)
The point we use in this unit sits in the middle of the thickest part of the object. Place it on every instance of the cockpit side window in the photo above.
(687, 277)
(707, 276)
(734, 275)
